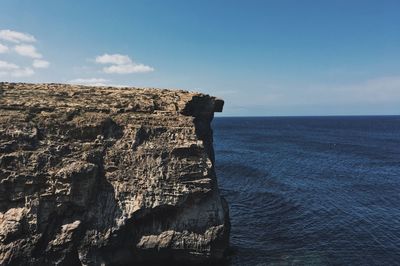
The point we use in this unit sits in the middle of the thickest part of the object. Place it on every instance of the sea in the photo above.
(311, 190)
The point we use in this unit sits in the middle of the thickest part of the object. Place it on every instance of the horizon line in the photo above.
(283, 116)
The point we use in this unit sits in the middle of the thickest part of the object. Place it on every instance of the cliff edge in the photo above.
(108, 176)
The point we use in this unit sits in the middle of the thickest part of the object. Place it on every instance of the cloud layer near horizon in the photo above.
(90, 81)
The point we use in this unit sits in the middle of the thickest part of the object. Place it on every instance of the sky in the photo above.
(263, 57)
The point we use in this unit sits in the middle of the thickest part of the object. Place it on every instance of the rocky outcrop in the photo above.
(108, 176)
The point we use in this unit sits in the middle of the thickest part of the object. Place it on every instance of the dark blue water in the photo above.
(311, 190)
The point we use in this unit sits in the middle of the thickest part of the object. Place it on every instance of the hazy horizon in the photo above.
(264, 58)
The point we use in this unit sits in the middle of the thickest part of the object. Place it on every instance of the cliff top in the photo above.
(50, 96)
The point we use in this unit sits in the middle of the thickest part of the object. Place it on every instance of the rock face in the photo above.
(108, 176)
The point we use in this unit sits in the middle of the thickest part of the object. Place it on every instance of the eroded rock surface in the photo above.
(108, 176)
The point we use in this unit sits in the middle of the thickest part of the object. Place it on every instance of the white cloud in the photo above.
(96, 82)
(379, 90)
(27, 50)
(90, 81)
(7, 66)
(115, 59)
(127, 69)
(10, 69)
(24, 72)
(22, 48)
(38, 63)
(16, 37)
(121, 64)
(3, 49)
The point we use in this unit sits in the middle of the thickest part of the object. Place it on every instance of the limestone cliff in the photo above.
(108, 176)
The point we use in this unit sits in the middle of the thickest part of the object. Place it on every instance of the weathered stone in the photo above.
(108, 176)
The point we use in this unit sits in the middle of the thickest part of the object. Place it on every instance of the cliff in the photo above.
(108, 176)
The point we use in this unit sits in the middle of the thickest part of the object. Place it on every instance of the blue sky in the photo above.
(262, 57)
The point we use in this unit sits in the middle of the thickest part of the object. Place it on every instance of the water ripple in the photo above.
(311, 191)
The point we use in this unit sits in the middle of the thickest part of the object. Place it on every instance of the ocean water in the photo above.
(311, 190)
